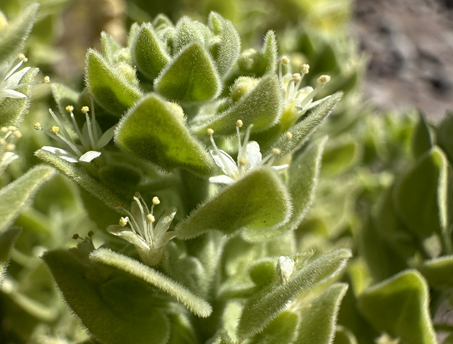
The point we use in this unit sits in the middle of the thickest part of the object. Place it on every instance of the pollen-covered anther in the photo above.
(305, 68)
(90, 233)
(276, 151)
(239, 123)
(69, 108)
(156, 200)
(37, 126)
(288, 135)
(17, 134)
(2, 142)
(210, 131)
(46, 79)
(22, 57)
(284, 60)
(123, 221)
(323, 79)
(12, 128)
(296, 77)
(54, 129)
(75, 236)
(85, 109)
(4, 129)
(243, 161)
(150, 218)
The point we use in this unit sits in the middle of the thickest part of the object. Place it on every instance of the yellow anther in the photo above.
(22, 57)
(10, 147)
(242, 161)
(150, 218)
(305, 68)
(156, 200)
(296, 77)
(123, 221)
(12, 128)
(284, 60)
(2, 142)
(323, 79)
(75, 236)
(239, 123)
(37, 126)
(138, 195)
(288, 135)
(69, 108)
(90, 233)
(55, 130)
(17, 134)
(276, 151)
(210, 131)
(85, 109)
(4, 129)
(47, 79)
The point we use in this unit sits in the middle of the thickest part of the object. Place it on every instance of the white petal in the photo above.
(312, 105)
(303, 92)
(6, 93)
(106, 137)
(164, 223)
(90, 155)
(8, 158)
(252, 155)
(280, 167)
(222, 179)
(126, 234)
(61, 153)
(164, 239)
(225, 162)
(14, 79)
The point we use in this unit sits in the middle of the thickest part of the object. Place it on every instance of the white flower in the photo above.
(149, 240)
(7, 146)
(249, 157)
(285, 267)
(91, 137)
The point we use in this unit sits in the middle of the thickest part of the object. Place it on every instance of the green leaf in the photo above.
(437, 272)
(12, 110)
(400, 307)
(77, 174)
(260, 107)
(340, 155)
(262, 307)
(187, 32)
(190, 77)
(319, 317)
(133, 267)
(13, 37)
(421, 137)
(421, 197)
(302, 181)
(110, 47)
(269, 53)
(149, 53)
(445, 135)
(15, 196)
(8, 238)
(109, 87)
(267, 204)
(344, 336)
(281, 330)
(305, 128)
(64, 96)
(107, 321)
(226, 51)
(153, 131)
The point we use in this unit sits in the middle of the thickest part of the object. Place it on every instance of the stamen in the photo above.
(85, 110)
(288, 135)
(10, 147)
(156, 200)
(75, 236)
(17, 134)
(12, 128)
(22, 57)
(123, 221)
(323, 79)
(239, 124)
(243, 150)
(4, 129)
(63, 129)
(276, 151)
(46, 80)
(134, 225)
(269, 159)
(37, 126)
(85, 144)
(145, 232)
(305, 69)
(150, 218)
(284, 61)
(54, 130)
(210, 133)
(242, 161)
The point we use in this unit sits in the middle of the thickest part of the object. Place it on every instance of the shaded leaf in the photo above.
(438, 272)
(281, 330)
(421, 137)
(8, 238)
(64, 96)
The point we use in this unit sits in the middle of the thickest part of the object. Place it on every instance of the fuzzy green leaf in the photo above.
(190, 77)
(421, 197)
(421, 138)
(340, 156)
(187, 32)
(12, 38)
(107, 321)
(281, 330)
(269, 52)
(438, 272)
(149, 53)
(305, 128)
(267, 204)
(344, 336)
(110, 88)
(12, 110)
(400, 307)
(261, 106)
(319, 317)
(195, 304)
(153, 131)
(15, 196)
(260, 309)
(226, 51)
(110, 47)
(302, 181)
(8, 238)
(445, 135)
(64, 96)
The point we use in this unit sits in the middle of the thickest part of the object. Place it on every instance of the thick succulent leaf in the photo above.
(77, 174)
(421, 197)
(64, 96)
(422, 140)
(260, 107)
(270, 54)
(195, 304)
(281, 330)
(261, 308)
(438, 272)
(302, 181)
(12, 110)
(267, 204)
(110, 89)
(226, 51)
(187, 32)
(105, 319)
(339, 156)
(8, 238)
(445, 135)
(305, 128)
(399, 306)
(16, 195)
(319, 317)
(152, 131)
(182, 331)
(13, 37)
(190, 77)
(149, 53)
(110, 47)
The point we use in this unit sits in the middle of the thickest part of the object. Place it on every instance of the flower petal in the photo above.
(6, 93)
(280, 167)
(252, 155)
(90, 155)
(222, 179)
(164, 223)
(14, 79)
(164, 239)
(126, 234)
(225, 162)
(7, 159)
(61, 153)
(106, 137)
